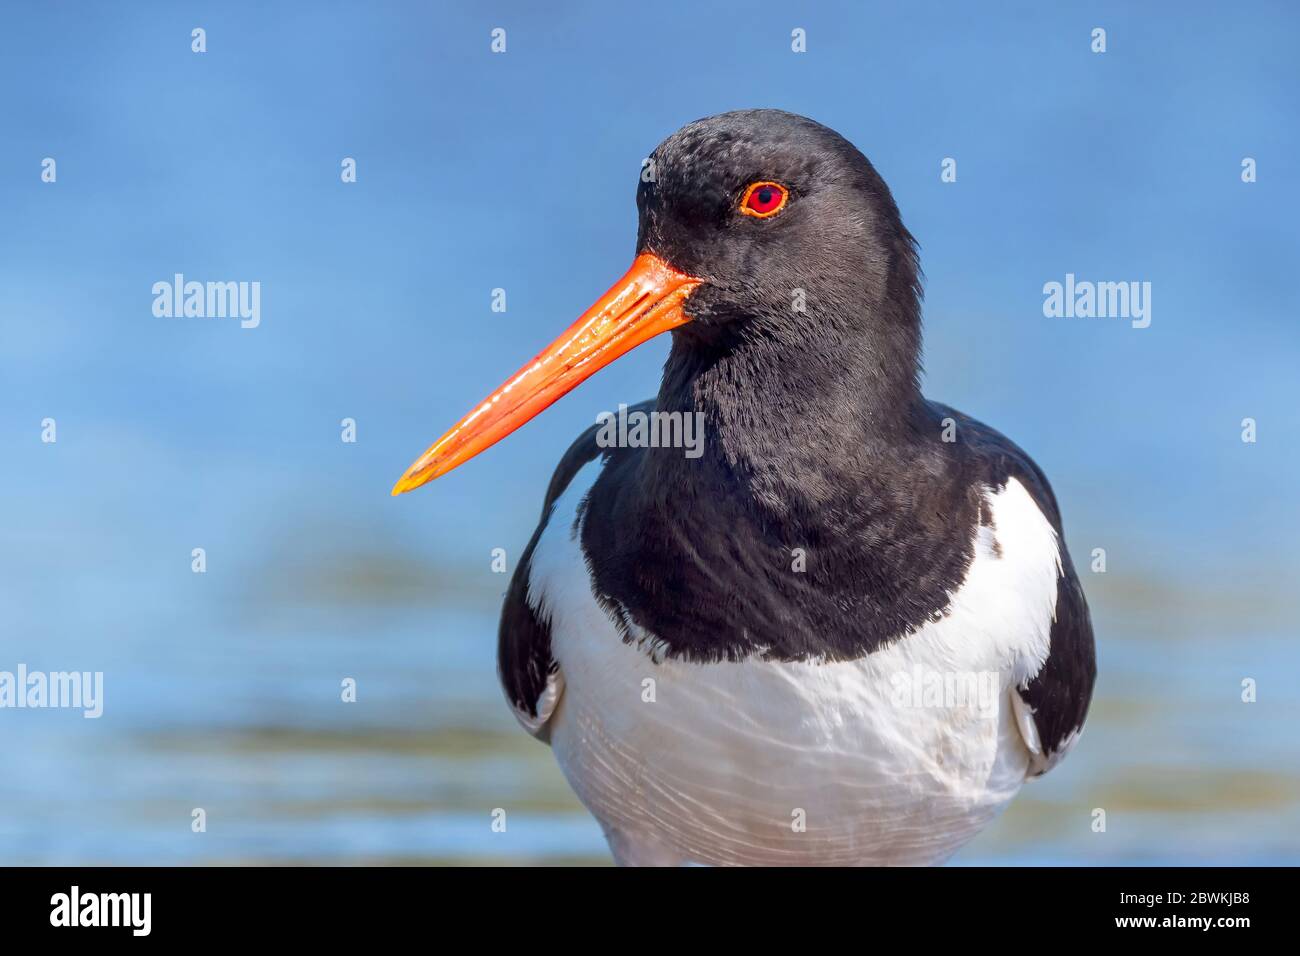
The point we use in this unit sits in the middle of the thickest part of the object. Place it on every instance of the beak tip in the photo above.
(416, 476)
(404, 484)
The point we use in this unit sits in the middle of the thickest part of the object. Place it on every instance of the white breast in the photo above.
(761, 762)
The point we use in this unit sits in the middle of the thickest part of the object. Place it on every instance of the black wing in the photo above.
(1059, 694)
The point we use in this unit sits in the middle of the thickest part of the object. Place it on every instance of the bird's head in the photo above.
(757, 226)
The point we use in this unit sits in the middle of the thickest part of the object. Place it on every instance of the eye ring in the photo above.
(764, 199)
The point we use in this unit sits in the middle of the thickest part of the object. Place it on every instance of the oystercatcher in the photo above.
(846, 629)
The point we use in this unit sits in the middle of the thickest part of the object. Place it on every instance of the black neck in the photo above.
(823, 518)
(794, 421)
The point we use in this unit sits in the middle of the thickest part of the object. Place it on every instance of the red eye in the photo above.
(763, 200)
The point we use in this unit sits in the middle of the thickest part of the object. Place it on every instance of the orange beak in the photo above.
(642, 304)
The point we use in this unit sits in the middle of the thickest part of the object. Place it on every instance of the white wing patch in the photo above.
(549, 589)
(1025, 723)
(1009, 595)
(539, 726)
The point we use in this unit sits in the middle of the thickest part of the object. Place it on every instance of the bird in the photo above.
(845, 629)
